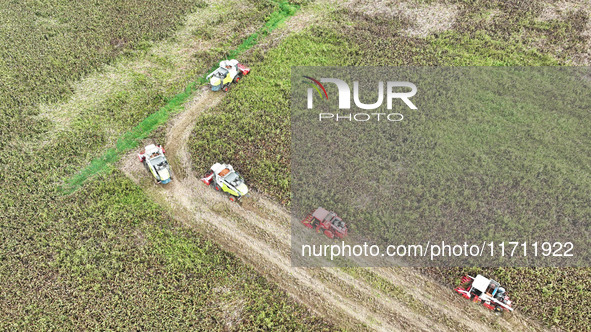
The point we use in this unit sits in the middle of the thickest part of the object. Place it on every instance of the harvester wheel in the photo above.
(225, 89)
(232, 199)
(498, 310)
(237, 78)
(329, 234)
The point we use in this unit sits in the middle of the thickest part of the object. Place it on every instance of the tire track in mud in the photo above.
(259, 232)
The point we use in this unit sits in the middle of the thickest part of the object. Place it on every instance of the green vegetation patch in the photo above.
(109, 258)
(251, 129)
(46, 45)
(130, 140)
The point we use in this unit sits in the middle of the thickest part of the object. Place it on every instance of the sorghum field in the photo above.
(84, 83)
(454, 33)
(75, 76)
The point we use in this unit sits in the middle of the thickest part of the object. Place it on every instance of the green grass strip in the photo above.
(277, 17)
(131, 139)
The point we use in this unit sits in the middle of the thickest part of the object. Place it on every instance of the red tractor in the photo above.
(326, 221)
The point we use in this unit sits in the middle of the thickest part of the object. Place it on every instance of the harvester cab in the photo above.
(152, 156)
(486, 291)
(224, 178)
(327, 222)
(229, 71)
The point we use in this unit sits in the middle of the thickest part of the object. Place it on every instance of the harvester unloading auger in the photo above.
(486, 291)
(327, 222)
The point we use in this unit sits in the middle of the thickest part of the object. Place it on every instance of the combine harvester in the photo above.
(155, 162)
(480, 289)
(224, 178)
(327, 222)
(230, 71)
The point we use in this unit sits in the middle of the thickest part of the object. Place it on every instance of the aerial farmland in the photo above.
(154, 174)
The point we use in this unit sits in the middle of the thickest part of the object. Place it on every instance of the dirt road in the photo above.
(259, 232)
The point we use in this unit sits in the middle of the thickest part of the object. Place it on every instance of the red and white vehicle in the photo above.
(480, 289)
(327, 222)
(152, 156)
(229, 71)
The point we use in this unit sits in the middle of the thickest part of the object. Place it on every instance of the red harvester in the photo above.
(326, 221)
(486, 291)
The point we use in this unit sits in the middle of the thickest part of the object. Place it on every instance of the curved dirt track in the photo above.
(259, 232)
